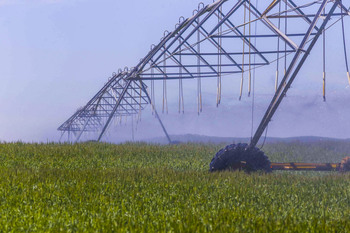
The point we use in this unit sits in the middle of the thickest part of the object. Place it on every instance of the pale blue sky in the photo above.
(56, 54)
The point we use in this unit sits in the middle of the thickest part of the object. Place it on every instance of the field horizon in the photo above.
(199, 138)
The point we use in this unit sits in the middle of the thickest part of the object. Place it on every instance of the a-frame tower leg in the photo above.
(155, 111)
(114, 109)
(291, 72)
(118, 104)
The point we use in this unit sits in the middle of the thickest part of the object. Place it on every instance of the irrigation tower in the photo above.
(228, 38)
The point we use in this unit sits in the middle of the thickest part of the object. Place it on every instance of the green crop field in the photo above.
(149, 188)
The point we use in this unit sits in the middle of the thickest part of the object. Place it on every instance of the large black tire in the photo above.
(345, 164)
(247, 159)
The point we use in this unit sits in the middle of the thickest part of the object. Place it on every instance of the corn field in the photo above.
(96, 187)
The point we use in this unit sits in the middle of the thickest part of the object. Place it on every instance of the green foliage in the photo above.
(150, 188)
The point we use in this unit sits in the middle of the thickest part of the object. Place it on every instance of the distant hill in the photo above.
(195, 138)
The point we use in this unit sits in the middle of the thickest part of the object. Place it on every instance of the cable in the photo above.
(218, 96)
(262, 146)
(324, 61)
(254, 71)
(165, 102)
(250, 50)
(345, 50)
(278, 50)
(242, 79)
(181, 96)
(285, 43)
(132, 128)
(199, 84)
(140, 107)
(152, 91)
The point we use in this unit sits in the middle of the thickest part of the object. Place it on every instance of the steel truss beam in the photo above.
(293, 69)
(215, 32)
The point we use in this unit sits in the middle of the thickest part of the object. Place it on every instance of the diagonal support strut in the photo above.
(282, 89)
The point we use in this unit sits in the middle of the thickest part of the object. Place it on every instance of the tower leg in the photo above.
(155, 111)
(291, 72)
(114, 109)
(81, 132)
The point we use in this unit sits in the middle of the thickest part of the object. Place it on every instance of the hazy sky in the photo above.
(56, 54)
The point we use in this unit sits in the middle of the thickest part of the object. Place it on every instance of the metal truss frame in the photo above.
(199, 47)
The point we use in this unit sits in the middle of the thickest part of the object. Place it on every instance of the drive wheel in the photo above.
(345, 164)
(240, 156)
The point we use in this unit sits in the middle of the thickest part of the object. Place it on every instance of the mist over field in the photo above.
(297, 116)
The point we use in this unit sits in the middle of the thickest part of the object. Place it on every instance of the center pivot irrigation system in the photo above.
(223, 39)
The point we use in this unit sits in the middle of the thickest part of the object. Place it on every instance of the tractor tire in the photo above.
(233, 156)
(345, 164)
